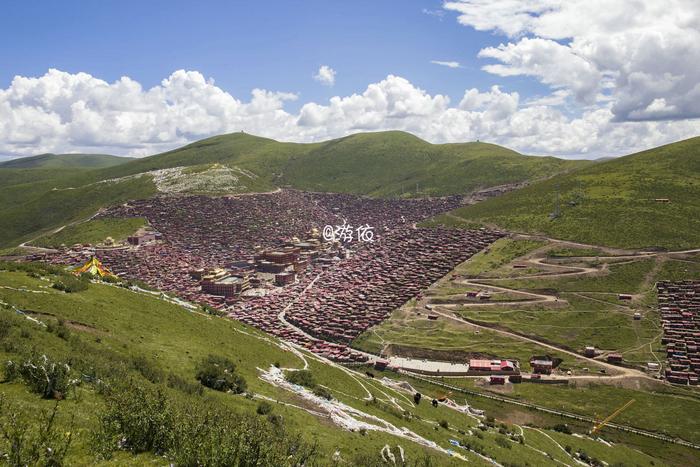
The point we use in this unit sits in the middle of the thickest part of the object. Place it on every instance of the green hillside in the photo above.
(94, 231)
(64, 161)
(37, 200)
(30, 209)
(391, 163)
(131, 394)
(612, 203)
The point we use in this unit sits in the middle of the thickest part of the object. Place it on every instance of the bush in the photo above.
(60, 329)
(139, 419)
(135, 419)
(32, 442)
(219, 373)
(264, 408)
(182, 385)
(562, 428)
(302, 378)
(71, 284)
(503, 442)
(444, 424)
(110, 279)
(320, 391)
(44, 377)
(147, 368)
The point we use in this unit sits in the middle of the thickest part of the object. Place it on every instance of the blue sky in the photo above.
(581, 78)
(276, 45)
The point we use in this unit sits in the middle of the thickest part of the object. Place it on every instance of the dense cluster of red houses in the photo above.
(332, 300)
(362, 291)
(679, 304)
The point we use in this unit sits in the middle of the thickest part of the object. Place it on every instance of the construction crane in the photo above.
(611, 416)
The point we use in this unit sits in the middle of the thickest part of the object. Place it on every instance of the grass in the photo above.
(610, 203)
(30, 209)
(501, 252)
(387, 164)
(110, 325)
(585, 400)
(661, 409)
(64, 161)
(621, 278)
(417, 336)
(94, 232)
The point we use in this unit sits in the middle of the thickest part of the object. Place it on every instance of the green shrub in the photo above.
(182, 385)
(60, 329)
(302, 378)
(320, 391)
(219, 373)
(562, 428)
(38, 442)
(71, 284)
(43, 376)
(503, 442)
(147, 368)
(264, 408)
(135, 419)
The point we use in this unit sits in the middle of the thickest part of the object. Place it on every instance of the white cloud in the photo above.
(435, 13)
(64, 112)
(325, 75)
(641, 55)
(451, 64)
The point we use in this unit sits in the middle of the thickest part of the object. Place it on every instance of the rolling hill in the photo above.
(645, 200)
(64, 161)
(394, 163)
(390, 163)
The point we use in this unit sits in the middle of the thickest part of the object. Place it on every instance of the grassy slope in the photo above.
(93, 232)
(395, 163)
(616, 204)
(27, 210)
(380, 164)
(119, 324)
(64, 161)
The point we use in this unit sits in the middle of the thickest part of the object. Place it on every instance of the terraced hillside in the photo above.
(646, 200)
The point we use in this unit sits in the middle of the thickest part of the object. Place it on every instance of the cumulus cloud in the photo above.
(64, 112)
(641, 55)
(447, 64)
(325, 75)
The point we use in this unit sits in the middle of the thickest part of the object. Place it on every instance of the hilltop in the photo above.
(646, 200)
(64, 161)
(385, 164)
(390, 163)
